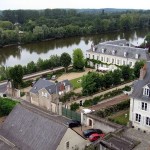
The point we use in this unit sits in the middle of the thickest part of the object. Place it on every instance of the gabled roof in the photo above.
(57, 87)
(41, 83)
(28, 128)
(138, 85)
(51, 87)
(120, 47)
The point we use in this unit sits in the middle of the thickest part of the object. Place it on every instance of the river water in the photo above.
(10, 56)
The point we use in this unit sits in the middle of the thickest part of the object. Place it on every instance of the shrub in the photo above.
(74, 106)
(6, 105)
(113, 109)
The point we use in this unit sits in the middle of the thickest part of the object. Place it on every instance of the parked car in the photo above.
(73, 123)
(89, 132)
(95, 136)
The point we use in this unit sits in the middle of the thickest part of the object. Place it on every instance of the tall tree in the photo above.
(138, 65)
(126, 72)
(78, 59)
(65, 60)
(16, 74)
(91, 83)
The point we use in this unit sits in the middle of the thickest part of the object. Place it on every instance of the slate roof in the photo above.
(5, 146)
(138, 85)
(51, 87)
(119, 50)
(33, 130)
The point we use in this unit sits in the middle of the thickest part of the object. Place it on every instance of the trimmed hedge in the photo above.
(97, 99)
(113, 109)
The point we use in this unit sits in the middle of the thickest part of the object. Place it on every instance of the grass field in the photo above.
(76, 84)
(121, 118)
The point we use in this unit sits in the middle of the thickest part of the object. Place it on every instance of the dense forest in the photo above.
(25, 26)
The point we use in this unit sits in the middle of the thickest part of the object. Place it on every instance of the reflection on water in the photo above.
(23, 54)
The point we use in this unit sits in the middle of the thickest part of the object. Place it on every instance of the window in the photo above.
(146, 92)
(118, 61)
(93, 56)
(97, 57)
(67, 145)
(124, 62)
(148, 121)
(138, 117)
(101, 58)
(136, 56)
(103, 50)
(112, 60)
(125, 54)
(113, 52)
(89, 55)
(144, 106)
(107, 59)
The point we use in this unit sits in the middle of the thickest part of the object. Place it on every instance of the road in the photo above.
(25, 77)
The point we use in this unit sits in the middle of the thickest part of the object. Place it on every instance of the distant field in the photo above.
(76, 83)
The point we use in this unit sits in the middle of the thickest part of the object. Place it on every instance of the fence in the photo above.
(71, 114)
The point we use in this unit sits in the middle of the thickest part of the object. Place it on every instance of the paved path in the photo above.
(98, 94)
(110, 102)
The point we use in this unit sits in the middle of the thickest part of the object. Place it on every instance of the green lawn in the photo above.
(120, 119)
(76, 84)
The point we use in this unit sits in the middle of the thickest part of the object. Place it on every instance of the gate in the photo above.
(71, 114)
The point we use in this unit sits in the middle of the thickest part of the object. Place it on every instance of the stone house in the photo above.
(115, 53)
(28, 127)
(46, 94)
(140, 100)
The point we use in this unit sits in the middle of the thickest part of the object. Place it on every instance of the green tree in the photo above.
(147, 39)
(16, 74)
(74, 106)
(117, 75)
(91, 83)
(65, 60)
(126, 72)
(31, 67)
(108, 79)
(78, 59)
(138, 65)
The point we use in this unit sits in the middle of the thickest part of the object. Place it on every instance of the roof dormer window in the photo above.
(136, 56)
(125, 54)
(146, 90)
(103, 50)
(113, 52)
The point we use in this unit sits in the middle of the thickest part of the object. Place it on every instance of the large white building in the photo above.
(115, 53)
(140, 100)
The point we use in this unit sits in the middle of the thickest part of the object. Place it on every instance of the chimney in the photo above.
(143, 72)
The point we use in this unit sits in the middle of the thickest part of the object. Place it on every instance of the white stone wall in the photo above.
(136, 107)
(75, 141)
(109, 59)
(105, 127)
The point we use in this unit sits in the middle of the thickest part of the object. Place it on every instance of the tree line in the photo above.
(16, 73)
(25, 26)
(93, 81)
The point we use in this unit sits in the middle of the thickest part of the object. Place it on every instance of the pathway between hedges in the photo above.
(110, 102)
(98, 94)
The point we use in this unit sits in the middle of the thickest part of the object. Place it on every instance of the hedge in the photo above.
(6, 105)
(113, 109)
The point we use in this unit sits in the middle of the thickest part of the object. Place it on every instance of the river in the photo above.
(10, 56)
